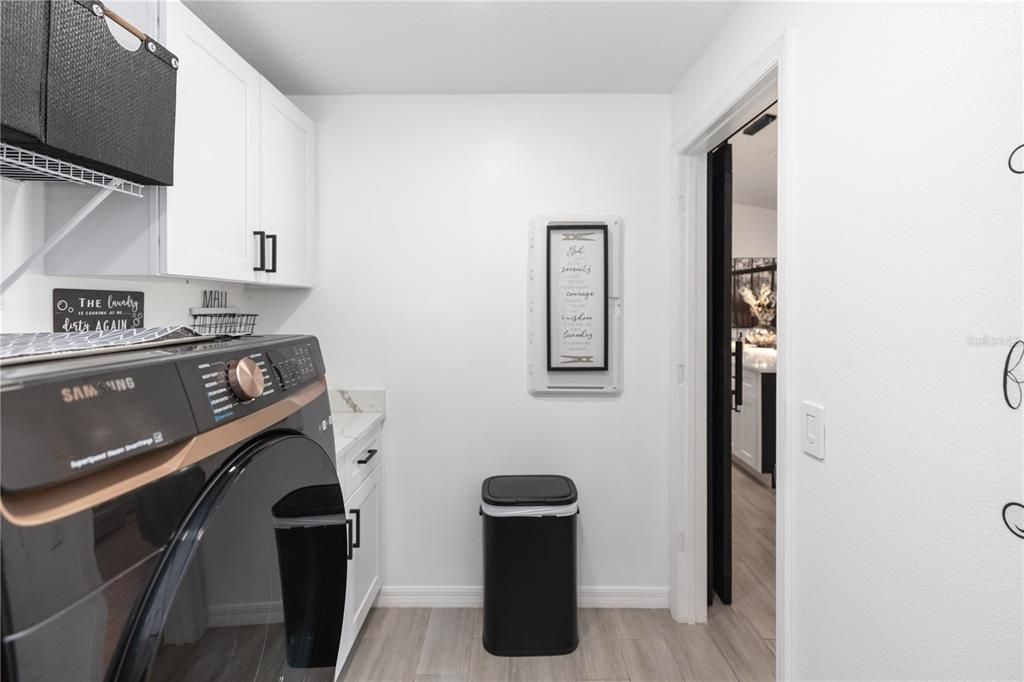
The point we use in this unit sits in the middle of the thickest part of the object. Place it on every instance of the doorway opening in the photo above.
(742, 295)
(746, 94)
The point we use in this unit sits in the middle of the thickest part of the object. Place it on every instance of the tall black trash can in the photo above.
(312, 553)
(529, 565)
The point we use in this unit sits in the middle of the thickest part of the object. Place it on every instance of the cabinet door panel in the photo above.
(213, 207)
(366, 558)
(287, 186)
(749, 438)
(363, 580)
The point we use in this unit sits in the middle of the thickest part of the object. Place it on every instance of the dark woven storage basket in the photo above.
(24, 35)
(104, 107)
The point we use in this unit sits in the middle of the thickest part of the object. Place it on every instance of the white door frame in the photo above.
(770, 77)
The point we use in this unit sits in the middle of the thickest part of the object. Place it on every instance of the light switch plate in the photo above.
(812, 430)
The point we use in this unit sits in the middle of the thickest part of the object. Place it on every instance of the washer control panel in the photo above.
(294, 366)
(227, 387)
(222, 388)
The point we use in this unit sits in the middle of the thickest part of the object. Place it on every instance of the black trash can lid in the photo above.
(314, 500)
(528, 490)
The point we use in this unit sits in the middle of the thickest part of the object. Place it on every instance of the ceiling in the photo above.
(426, 46)
(755, 166)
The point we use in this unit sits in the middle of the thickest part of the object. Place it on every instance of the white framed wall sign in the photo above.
(575, 305)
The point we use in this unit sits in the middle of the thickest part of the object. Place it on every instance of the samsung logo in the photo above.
(86, 391)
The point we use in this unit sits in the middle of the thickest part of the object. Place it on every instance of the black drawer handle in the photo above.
(370, 454)
(262, 267)
(273, 257)
(359, 527)
(348, 532)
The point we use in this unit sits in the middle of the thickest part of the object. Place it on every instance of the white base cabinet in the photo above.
(746, 424)
(363, 506)
(753, 427)
(242, 205)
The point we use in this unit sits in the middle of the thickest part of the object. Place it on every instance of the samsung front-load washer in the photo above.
(172, 514)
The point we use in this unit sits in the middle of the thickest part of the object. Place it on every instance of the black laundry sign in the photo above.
(92, 310)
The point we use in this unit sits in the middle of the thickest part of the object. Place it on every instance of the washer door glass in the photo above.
(253, 587)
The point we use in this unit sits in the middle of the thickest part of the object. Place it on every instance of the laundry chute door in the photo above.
(720, 373)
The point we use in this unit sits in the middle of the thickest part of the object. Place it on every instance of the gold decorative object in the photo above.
(763, 308)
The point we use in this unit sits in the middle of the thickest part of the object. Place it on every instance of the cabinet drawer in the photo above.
(363, 459)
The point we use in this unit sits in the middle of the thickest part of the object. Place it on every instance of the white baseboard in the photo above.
(231, 615)
(471, 596)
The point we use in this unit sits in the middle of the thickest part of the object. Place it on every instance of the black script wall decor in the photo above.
(577, 297)
(1013, 517)
(1013, 387)
(94, 310)
(1013, 376)
(1016, 160)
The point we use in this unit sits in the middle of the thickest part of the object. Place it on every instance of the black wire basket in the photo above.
(224, 323)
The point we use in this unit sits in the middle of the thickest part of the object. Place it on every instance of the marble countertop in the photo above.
(355, 414)
(759, 359)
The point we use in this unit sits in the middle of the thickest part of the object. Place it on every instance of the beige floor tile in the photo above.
(542, 669)
(696, 654)
(752, 600)
(771, 645)
(396, 623)
(640, 623)
(746, 514)
(484, 667)
(741, 532)
(448, 642)
(380, 659)
(747, 653)
(393, 655)
(765, 536)
(439, 645)
(758, 559)
(598, 656)
(649, 660)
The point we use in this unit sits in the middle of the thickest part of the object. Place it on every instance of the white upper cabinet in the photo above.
(213, 207)
(242, 205)
(287, 184)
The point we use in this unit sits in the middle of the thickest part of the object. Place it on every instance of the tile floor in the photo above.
(737, 643)
(437, 645)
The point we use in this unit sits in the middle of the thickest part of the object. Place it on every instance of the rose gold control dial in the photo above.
(245, 379)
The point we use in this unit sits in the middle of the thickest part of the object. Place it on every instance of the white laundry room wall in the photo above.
(424, 205)
(905, 238)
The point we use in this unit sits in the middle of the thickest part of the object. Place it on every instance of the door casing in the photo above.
(768, 78)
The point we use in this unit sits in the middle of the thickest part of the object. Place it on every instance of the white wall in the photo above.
(753, 232)
(424, 207)
(905, 233)
(28, 305)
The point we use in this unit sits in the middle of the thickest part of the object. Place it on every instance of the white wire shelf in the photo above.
(24, 165)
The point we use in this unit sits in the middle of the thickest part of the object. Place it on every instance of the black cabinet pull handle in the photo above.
(273, 256)
(262, 267)
(370, 454)
(348, 532)
(738, 371)
(359, 527)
